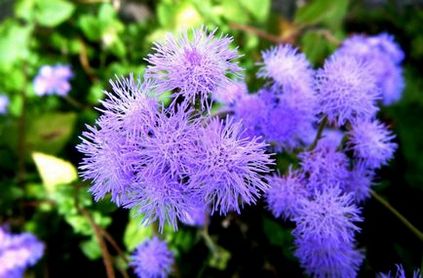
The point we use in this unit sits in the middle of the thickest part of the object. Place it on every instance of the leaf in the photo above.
(135, 233)
(91, 249)
(219, 259)
(328, 12)
(54, 171)
(259, 9)
(48, 133)
(53, 12)
(14, 44)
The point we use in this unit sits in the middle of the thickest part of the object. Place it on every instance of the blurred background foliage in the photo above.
(40, 189)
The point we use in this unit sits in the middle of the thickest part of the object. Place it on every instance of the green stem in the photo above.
(322, 126)
(404, 220)
(208, 240)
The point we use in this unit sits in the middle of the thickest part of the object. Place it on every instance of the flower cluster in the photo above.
(165, 161)
(399, 273)
(152, 259)
(18, 252)
(53, 80)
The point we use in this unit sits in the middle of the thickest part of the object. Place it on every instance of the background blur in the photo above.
(101, 39)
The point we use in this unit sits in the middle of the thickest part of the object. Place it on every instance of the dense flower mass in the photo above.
(18, 252)
(195, 67)
(4, 103)
(325, 225)
(386, 56)
(152, 259)
(346, 89)
(399, 273)
(53, 80)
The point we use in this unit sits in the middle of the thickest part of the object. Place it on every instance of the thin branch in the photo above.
(404, 220)
(22, 131)
(107, 258)
(114, 244)
(322, 126)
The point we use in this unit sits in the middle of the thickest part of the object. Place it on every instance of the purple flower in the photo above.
(324, 166)
(400, 273)
(360, 181)
(285, 194)
(372, 143)
(18, 252)
(251, 110)
(231, 93)
(195, 67)
(346, 88)
(333, 136)
(53, 80)
(152, 259)
(325, 225)
(197, 216)
(230, 166)
(4, 103)
(385, 56)
(287, 67)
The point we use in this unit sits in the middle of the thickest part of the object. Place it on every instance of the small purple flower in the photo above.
(230, 166)
(372, 143)
(251, 110)
(346, 89)
(195, 67)
(285, 194)
(287, 67)
(197, 216)
(324, 166)
(400, 273)
(334, 136)
(4, 103)
(18, 252)
(53, 80)
(325, 225)
(152, 259)
(360, 181)
(385, 56)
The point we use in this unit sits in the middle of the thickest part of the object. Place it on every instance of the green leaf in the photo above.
(135, 233)
(48, 133)
(54, 171)
(53, 12)
(91, 249)
(90, 26)
(80, 224)
(219, 259)
(259, 9)
(14, 44)
(233, 11)
(328, 12)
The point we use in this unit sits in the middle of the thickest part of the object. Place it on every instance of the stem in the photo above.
(404, 220)
(319, 133)
(107, 258)
(208, 240)
(114, 244)
(22, 132)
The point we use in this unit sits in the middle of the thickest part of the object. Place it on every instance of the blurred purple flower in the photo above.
(325, 225)
(372, 143)
(251, 110)
(53, 80)
(400, 273)
(152, 259)
(360, 181)
(231, 93)
(195, 67)
(197, 216)
(4, 104)
(18, 252)
(346, 89)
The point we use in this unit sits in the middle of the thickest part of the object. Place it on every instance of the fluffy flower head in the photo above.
(4, 103)
(346, 89)
(152, 259)
(195, 66)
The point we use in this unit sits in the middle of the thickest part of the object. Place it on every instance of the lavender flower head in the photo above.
(284, 195)
(385, 55)
(230, 166)
(251, 110)
(152, 259)
(346, 89)
(194, 67)
(286, 66)
(53, 80)
(231, 93)
(360, 181)
(4, 103)
(372, 143)
(325, 225)
(18, 252)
